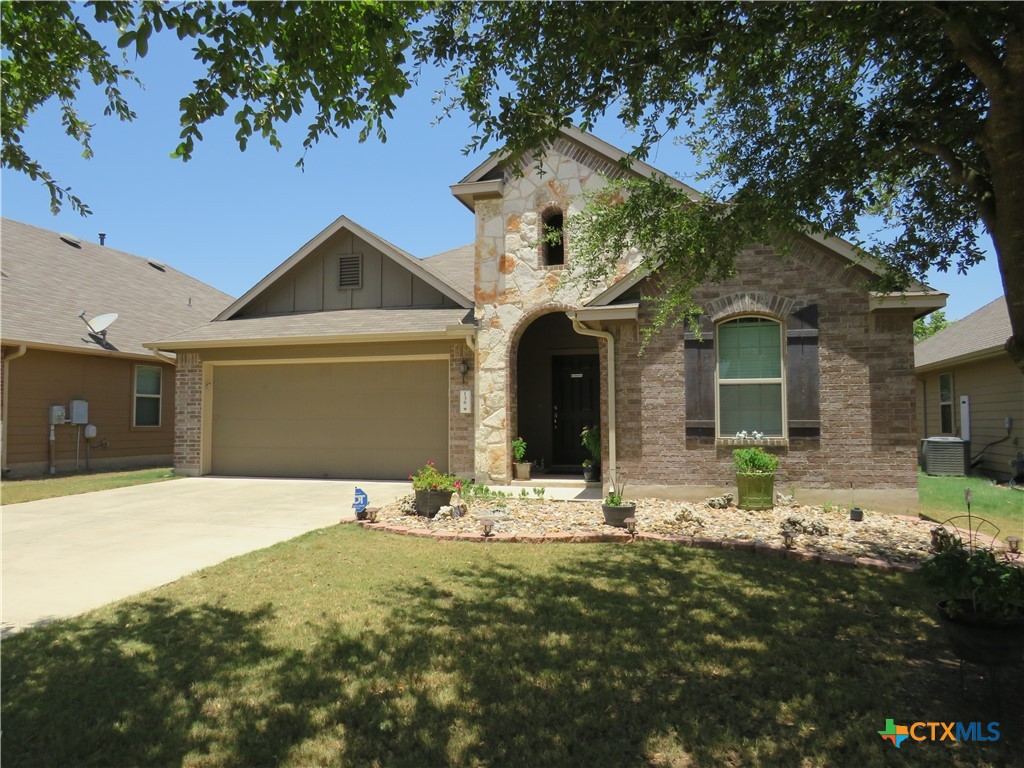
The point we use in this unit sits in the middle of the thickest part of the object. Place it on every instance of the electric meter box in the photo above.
(79, 412)
(57, 414)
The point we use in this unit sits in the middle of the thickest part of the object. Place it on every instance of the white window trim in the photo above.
(952, 399)
(159, 398)
(768, 439)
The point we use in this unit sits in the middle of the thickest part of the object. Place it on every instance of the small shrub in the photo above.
(754, 461)
(538, 492)
(519, 450)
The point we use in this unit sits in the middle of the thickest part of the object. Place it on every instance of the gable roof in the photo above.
(343, 223)
(982, 333)
(47, 282)
(603, 157)
(455, 266)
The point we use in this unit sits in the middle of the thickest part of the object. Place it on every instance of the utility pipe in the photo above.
(22, 349)
(584, 330)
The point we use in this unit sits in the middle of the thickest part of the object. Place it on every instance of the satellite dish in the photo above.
(100, 323)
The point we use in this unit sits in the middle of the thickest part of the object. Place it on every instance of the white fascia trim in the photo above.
(916, 300)
(611, 312)
(469, 193)
(99, 352)
(284, 341)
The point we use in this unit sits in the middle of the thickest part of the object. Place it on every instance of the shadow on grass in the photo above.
(651, 655)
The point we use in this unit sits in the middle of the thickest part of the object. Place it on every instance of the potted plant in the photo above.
(982, 605)
(433, 489)
(615, 509)
(755, 478)
(590, 438)
(520, 467)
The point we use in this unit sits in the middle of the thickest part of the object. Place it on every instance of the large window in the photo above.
(946, 402)
(750, 378)
(148, 385)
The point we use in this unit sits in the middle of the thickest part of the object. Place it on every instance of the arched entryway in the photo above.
(558, 392)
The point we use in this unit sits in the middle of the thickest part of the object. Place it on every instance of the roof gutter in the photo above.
(22, 349)
(583, 330)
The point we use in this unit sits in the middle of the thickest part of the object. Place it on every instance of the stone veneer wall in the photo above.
(866, 362)
(513, 287)
(188, 413)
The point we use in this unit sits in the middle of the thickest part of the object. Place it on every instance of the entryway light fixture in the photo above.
(464, 369)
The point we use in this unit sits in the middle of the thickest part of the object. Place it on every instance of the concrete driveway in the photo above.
(65, 556)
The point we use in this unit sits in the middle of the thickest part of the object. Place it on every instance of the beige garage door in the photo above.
(351, 420)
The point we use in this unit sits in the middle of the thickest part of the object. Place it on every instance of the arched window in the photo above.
(553, 244)
(750, 377)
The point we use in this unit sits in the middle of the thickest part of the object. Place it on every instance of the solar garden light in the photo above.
(1014, 544)
(788, 538)
(630, 525)
(488, 525)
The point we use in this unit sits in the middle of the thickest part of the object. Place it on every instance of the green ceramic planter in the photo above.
(755, 490)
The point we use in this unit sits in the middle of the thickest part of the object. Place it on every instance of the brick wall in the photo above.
(461, 437)
(188, 412)
(868, 430)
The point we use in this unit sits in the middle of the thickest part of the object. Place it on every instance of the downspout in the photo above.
(583, 330)
(22, 349)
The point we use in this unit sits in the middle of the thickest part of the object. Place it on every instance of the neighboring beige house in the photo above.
(355, 359)
(52, 285)
(968, 387)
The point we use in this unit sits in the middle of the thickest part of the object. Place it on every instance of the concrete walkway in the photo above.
(67, 555)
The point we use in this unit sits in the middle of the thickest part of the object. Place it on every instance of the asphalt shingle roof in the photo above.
(983, 330)
(455, 267)
(47, 282)
(306, 325)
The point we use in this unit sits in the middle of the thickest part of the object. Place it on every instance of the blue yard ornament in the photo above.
(362, 500)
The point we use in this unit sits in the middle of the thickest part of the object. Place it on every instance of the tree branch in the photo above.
(979, 58)
(962, 174)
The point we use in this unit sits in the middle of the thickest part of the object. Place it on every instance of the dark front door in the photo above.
(574, 405)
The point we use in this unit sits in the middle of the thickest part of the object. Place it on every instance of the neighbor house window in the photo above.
(946, 402)
(553, 245)
(750, 377)
(148, 385)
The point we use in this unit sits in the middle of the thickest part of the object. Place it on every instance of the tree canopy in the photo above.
(806, 116)
(926, 327)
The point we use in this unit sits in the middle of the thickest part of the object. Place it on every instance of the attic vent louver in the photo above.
(350, 271)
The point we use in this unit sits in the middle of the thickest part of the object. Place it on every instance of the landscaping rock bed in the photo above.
(819, 533)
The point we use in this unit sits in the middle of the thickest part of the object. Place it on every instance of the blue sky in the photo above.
(228, 217)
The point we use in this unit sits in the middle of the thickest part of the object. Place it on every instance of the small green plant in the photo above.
(590, 438)
(519, 450)
(539, 492)
(972, 580)
(614, 497)
(524, 494)
(430, 478)
(829, 507)
(475, 492)
(754, 461)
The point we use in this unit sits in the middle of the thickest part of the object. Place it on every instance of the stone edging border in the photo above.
(755, 547)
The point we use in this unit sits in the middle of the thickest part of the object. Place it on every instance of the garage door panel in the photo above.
(367, 420)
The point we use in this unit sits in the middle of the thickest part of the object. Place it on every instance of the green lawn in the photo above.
(353, 648)
(943, 497)
(17, 491)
